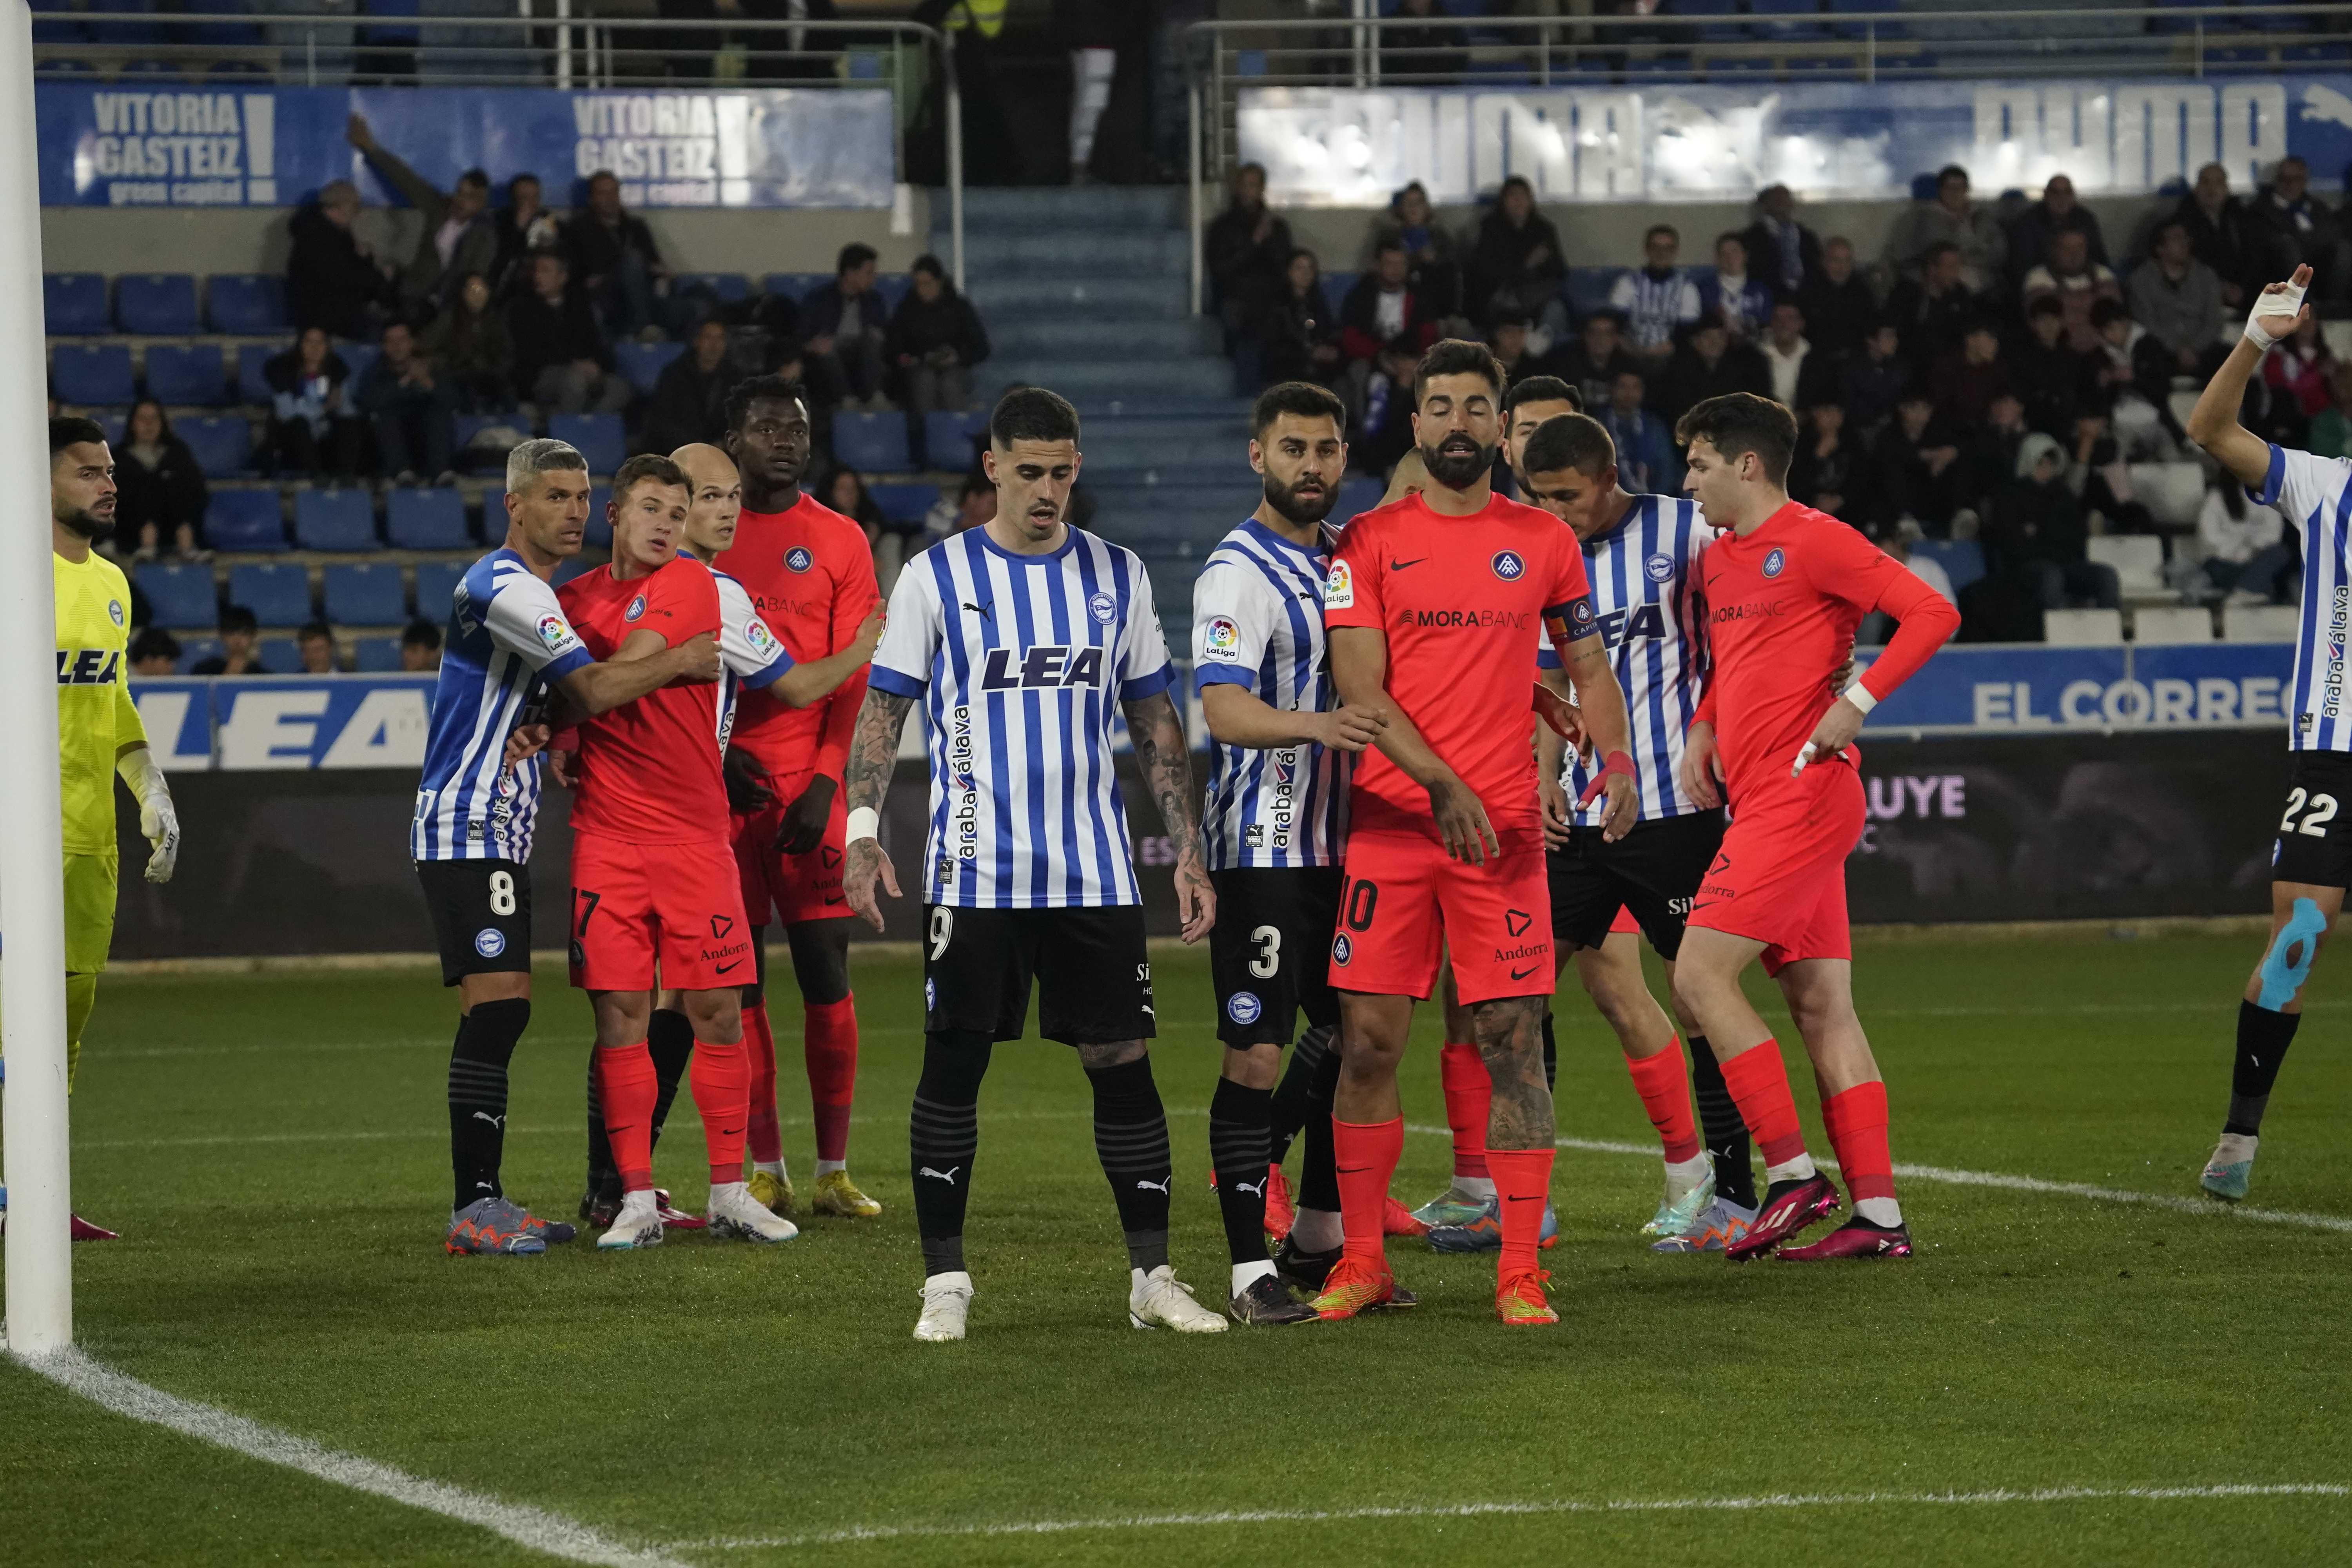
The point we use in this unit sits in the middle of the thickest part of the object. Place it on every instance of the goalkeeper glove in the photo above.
(157, 821)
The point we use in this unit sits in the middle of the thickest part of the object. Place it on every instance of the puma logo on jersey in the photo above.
(947, 1175)
(87, 666)
(1047, 665)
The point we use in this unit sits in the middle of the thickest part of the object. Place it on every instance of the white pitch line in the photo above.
(534, 1528)
(1490, 1510)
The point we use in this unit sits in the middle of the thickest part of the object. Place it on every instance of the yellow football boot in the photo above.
(837, 1195)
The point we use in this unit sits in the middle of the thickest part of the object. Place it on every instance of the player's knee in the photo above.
(1095, 1057)
(753, 995)
(1253, 1067)
(717, 1016)
(2286, 962)
(821, 962)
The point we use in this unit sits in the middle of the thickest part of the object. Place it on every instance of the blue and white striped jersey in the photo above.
(1654, 308)
(508, 641)
(2315, 495)
(1258, 623)
(1021, 662)
(750, 656)
(1644, 575)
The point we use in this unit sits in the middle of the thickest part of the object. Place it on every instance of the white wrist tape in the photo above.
(138, 771)
(2289, 304)
(863, 823)
(1859, 695)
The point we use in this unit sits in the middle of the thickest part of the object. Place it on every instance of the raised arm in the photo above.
(818, 679)
(1360, 671)
(1157, 733)
(873, 757)
(2213, 423)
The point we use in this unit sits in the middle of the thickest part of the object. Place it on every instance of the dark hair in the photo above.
(974, 483)
(237, 618)
(1740, 422)
(309, 629)
(154, 642)
(1949, 170)
(1457, 356)
(1569, 441)
(1616, 320)
(1935, 253)
(420, 633)
(647, 466)
(761, 389)
(933, 265)
(1521, 182)
(1732, 235)
(1387, 243)
(1032, 414)
(2166, 227)
(1655, 229)
(2048, 305)
(514, 180)
(479, 178)
(854, 255)
(601, 174)
(1290, 261)
(74, 432)
(162, 418)
(1302, 399)
(1513, 317)
(1542, 389)
(2102, 311)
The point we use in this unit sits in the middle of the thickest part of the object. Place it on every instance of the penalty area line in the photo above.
(534, 1528)
(1541, 1507)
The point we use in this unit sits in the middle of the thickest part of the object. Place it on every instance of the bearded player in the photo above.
(1786, 588)
(811, 575)
(1431, 604)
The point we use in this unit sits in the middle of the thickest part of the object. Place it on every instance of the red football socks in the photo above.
(1523, 1182)
(832, 1053)
(766, 1136)
(1664, 1083)
(1857, 1128)
(1469, 1090)
(1366, 1153)
(1760, 1087)
(722, 1083)
(626, 1084)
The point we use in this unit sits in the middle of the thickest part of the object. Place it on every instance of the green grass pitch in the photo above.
(274, 1148)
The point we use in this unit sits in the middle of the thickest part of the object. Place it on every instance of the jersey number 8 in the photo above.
(2322, 812)
(502, 893)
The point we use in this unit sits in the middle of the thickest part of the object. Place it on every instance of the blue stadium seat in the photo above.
(2313, 54)
(643, 362)
(893, 288)
(1883, 18)
(365, 594)
(948, 437)
(797, 286)
(436, 587)
(1358, 493)
(904, 502)
(279, 596)
(279, 656)
(600, 516)
(190, 373)
(729, 288)
(161, 303)
(1962, 559)
(54, 29)
(1587, 289)
(223, 443)
(91, 374)
(138, 33)
(1710, 32)
(356, 358)
(1741, 67)
(572, 568)
(1786, 21)
(245, 303)
(2239, 59)
(112, 421)
(334, 520)
(181, 598)
(599, 437)
(375, 655)
(228, 35)
(75, 303)
(250, 358)
(196, 650)
(1334, 289)
(425, 520)
(1673, 68)
(871, 442)
(244, 520)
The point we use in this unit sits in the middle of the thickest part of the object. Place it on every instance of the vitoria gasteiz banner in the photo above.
(778, 147)
(1355, 147)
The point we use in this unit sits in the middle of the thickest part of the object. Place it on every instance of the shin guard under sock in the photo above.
(1238, 1142)
(670, 1040)
(1290, 1108)
(477, 1095)
(1760, 1087)
(603, 1180)
(1131, 1140)
(1856, 1122)
(831, 1050)
(1319, 1183)
(763, 1132)
(1469, 1095)
(1551, 1053)
(1366, 1154)
(2263, 1040)
(625, 1079)
(1718, 1119)
(722, 1083)
(1664, 1084)
(1523, 1185)
(943, 1138)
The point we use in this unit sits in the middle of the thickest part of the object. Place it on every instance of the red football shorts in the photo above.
(634, 904)
(1780, 878)
(797, 887)
(1405, 901)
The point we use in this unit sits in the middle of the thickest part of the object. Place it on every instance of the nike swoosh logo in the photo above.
(1350, 1170)
(1523, 974)
(1397, 565)
(725, 967)
(843, 900)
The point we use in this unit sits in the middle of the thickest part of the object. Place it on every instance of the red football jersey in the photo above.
(649, 769)
(811, 575)
(1782, 605)
(1464, 601)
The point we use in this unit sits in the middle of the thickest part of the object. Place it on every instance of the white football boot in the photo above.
(1155, 1301)
(947, 1302)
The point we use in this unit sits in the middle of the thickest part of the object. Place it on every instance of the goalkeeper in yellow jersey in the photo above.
(99, 732)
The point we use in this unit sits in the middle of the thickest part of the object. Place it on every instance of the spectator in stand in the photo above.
(1388, 404)
(974, 507)
(1247, 252)
(316, 644)
(1878, 626)
(2099, 478)
(1656, 300)
(934, 338)
(613, 255)
(240, 637)
(471, 350)
(1965, 381)
(415, 412)
(2246, 557)
(1517, 263)
(2132, 374)
(2179, 300)
(154, 652)
(1781, 251)
(525, 225)
(2223, 235)
(420, 647)
(1430, 252)
(2304, 230)
(1708, 364)
(561, 359)
(1593, 360)
(158, 488)
(2036, 533)
(2331, 428)
(2051, 378)
(1830, 469)
(332, 281)
(1646, 449)
(1838, 304)
(458, 235)
(313, 430)
(2076, 281)
(1931, 310)
(1428, 53)
(688, 402)
(1744, 303)
(2058, 212)
(1302, 339)
(1381, 306)
(1801, 375)
(1950, 218)
(1988, 452)
(847, 328)
(1508, 339)
(1912, 468)
(2296, 372)
(845, 492)
(1871, 383)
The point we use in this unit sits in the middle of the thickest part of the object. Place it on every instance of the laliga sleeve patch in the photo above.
(1340, 588)
(1223, 638)
(763, 641)
(557, 633)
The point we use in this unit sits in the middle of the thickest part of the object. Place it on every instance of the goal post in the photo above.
(32, 881)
